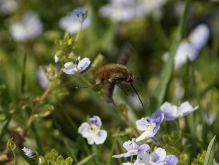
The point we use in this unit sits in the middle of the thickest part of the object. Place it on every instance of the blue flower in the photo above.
(29, 27)
(150, 125)
(158, 157)
(133, 149)
(72, 23)
(92, 131)
(72, 68)
(28, 152)
(170, 160)
(122, 10)
(172, 112)
(8, 6)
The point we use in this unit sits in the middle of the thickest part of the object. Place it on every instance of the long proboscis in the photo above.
(87, 86)
(137, 94)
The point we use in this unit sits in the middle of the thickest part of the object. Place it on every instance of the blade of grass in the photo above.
(23, 73)
(159, 93)
(210, 152)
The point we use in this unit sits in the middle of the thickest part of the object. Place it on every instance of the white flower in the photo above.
(8, 6)
(72, 23)
(122, 10)
(72, 68)
(150, 125)
(28, 152)
(29, 27)
(92, 131)
(158, 157)
(44, 82)
(132, 149)
(172, 112)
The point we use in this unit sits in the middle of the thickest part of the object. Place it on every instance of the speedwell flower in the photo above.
(92, 131)
(172, 112)
(29, 27)
(72, 23)
(158, 157)
(72, 68)
(28, 152)
(133, 149)
(150, 125)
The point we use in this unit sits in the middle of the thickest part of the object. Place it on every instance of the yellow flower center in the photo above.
(151, 127)
(94, 129)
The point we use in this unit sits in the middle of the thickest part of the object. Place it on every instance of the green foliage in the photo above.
(52, 158)
(200, 159)
(173, 143)
(11, 145)
(209, 158)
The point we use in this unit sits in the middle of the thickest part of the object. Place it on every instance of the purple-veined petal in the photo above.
(84, 129)
(143, 123)
(157, 117)
(100, 137)
(143, 148)
(171, 160)
(95, 121)
(158, 155)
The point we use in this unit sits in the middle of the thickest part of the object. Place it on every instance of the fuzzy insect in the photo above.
(114, 74)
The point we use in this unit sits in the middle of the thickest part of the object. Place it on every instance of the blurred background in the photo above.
(144, 28)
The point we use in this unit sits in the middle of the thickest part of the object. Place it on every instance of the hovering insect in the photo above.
(114, 74)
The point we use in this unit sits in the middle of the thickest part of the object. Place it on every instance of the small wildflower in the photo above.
(150, 125)
(92, 131)
(28, 152)
(43, 81)
(122, 10)
(158, 157)
(133, 149)
(72, 68)
(172, 112)
(72, 23)
(29, 27)
(8, 6)
(209, 118)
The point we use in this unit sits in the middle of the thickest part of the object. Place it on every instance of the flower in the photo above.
(122, 10)
(172, 112)
(8, 6)
(184, 51)
(29, 27)
(198, 38)
(28, 152)
(150, 125)
(72, 68)
(209, 118)
(43, 80)
(72, 23)
(92, 131)
(158, 157)
(189, 48)
(133, 149)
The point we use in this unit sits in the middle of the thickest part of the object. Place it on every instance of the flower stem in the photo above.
(125, 117)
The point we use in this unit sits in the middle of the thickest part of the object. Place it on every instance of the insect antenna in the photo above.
(137, 94)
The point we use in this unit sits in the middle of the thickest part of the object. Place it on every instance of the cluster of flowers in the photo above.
(150, 125)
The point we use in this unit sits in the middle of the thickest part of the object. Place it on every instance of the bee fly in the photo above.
(114, 74)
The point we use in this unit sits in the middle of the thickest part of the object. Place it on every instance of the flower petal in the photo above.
(100, 137)
(96, 121)
(171, 160)
(84, 129)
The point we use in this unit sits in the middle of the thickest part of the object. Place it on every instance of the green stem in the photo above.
(125, 118)
(30, 120)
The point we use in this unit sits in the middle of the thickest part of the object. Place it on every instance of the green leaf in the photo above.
(68, 161)
(59, 160)
(51, 155)
(86, 159)
(210, 152)
(11, 145)
(4, 126)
